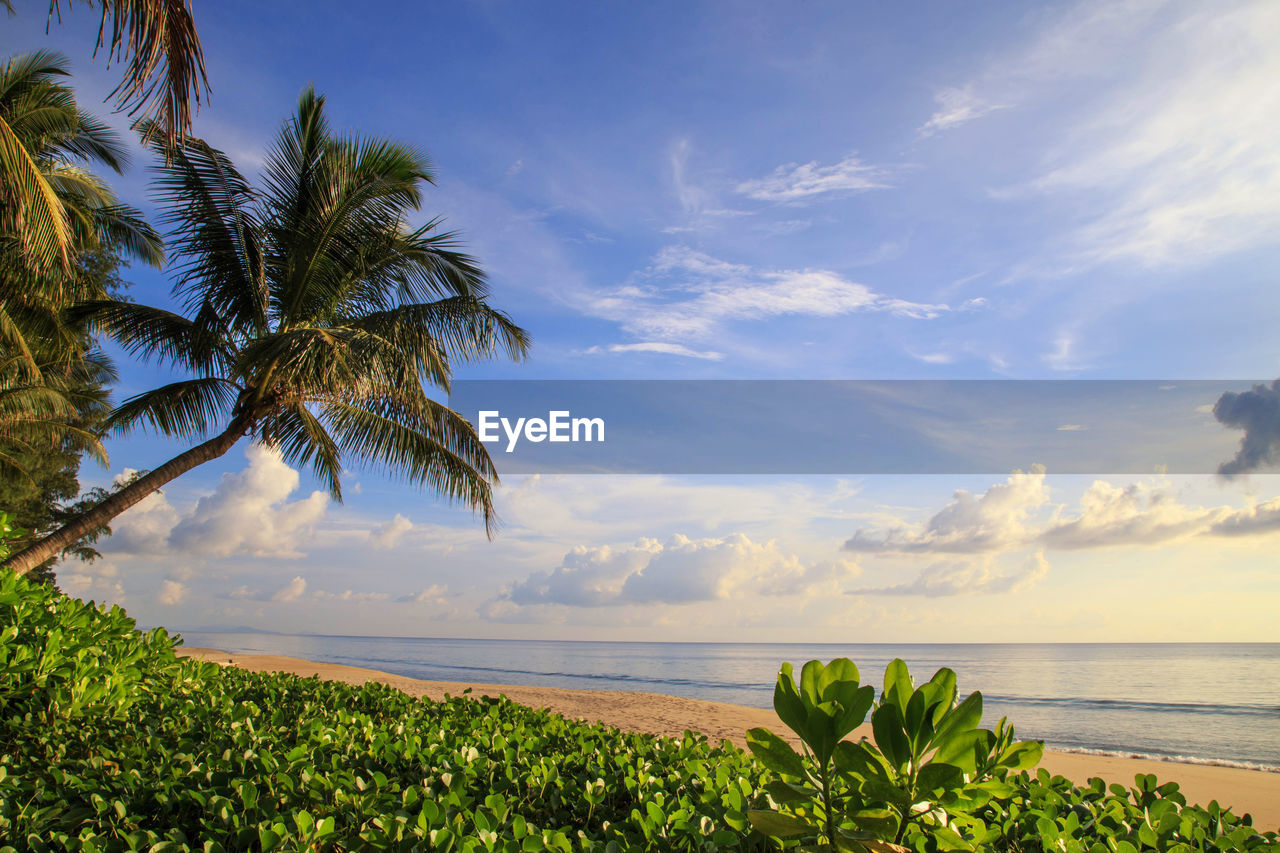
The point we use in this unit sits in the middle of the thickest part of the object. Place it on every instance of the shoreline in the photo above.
(1256, 792)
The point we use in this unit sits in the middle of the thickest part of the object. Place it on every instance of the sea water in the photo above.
(1215, 703)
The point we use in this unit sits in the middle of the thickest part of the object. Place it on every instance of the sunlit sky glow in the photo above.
(1074, 190)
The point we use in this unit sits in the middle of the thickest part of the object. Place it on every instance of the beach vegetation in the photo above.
(111, 742)
(928, 763)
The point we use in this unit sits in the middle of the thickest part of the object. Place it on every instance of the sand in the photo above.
(1252, 791)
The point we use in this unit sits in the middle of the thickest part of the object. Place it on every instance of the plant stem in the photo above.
(826, 804)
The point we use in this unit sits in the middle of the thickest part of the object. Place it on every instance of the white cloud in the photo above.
(1257, 519)
(1138, 514)
(389, 535)
(795, 182)
(662, 347)
(1071, 428)
(345, 595)
(171, 592)
(679, 571)
(96, 581)
(966, 577)
(1003, 520)
(688, 294)
(955, 107)
(144, 527)
(434, 594)
(291, 591)
(994, 521)
(248, 512)
(1165, 154)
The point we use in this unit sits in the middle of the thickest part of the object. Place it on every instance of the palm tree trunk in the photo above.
(35, 554)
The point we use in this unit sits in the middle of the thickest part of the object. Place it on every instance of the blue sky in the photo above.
(1078, 190)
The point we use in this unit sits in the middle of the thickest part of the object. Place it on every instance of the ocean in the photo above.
(1215, 703)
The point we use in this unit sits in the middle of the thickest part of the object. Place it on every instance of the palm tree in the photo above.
(314, 320)
(164, 75)
(52, 207)
(49, 373)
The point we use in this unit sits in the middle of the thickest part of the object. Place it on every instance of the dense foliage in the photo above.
(110, 742)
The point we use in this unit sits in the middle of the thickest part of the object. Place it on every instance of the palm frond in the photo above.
(146, 332)
(184, 409)
(303, 441)
(41, 221)
(164, 64)
(208, 207)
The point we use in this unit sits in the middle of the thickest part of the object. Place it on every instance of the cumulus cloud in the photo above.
(345, 595)
(248, 513)
(389, 535)
(687, 294)
(1138, 514)
(144, 527)
(994, 521)
(1257, 412)
(172, 592)
(434, 594)
(679, 571)
(795, 182)
(1250, 521)
(1004, 519)
(97, 581)
(966, 577)
(291, 591)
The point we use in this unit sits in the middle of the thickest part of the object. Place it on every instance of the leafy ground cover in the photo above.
(110, 742)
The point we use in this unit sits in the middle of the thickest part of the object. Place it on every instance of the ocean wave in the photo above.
(1092, 703)
(625, 678)
(1173, 759)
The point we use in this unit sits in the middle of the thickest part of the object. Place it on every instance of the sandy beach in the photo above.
(1252, 791)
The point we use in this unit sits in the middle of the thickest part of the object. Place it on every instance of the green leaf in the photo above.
(785, 792)
(939, 776)
(886, 725)
(1022, 755)
(860, 760)
(897, 685)
(778, 825)
(962, 718)
(775, 753)
(268, 839)
(809, 678)
(787, 702)
(961, 749)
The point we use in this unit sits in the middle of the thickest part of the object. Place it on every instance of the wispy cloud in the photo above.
(1163, 156)
(795, 182)
(955, 107)
(660, 347)
(686, 294)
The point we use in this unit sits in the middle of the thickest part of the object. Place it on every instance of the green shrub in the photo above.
(180, 755)
(108, 742)
(63, 658)
(931, 779)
